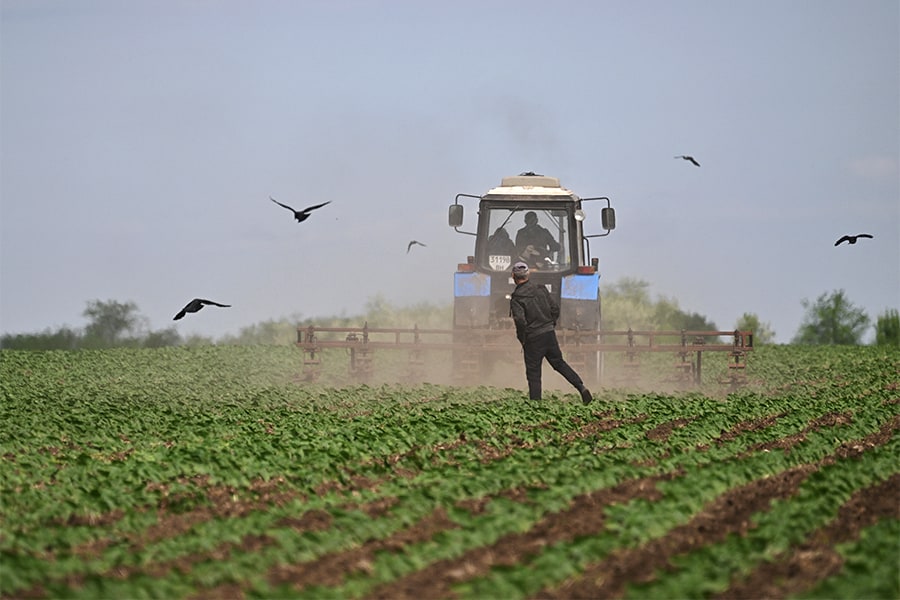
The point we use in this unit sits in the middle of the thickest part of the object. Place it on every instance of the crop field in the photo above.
(214, 472)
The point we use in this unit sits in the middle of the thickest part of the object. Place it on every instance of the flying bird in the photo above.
(852, 238)
(300, 215)
(689, 158)
(195, 305)
(412, 243)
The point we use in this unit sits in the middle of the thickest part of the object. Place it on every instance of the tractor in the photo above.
(528, 218)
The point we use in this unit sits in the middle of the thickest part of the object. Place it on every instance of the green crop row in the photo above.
(99, 448)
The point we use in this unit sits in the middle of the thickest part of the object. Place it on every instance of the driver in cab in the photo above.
(534, 243)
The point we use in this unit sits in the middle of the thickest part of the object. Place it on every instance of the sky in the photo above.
(140, 142)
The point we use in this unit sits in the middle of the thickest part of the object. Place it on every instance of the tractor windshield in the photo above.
(537, 236)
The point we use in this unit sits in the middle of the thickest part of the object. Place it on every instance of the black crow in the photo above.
(195, 305)
(410, 245)
(852, 238)
(690, 158)
(300, 215)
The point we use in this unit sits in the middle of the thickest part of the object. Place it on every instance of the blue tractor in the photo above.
(533, 219)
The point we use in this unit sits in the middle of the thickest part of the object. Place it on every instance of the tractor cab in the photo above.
(532, 219)
(543, 236)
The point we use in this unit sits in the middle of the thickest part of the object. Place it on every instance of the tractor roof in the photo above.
(529, 184)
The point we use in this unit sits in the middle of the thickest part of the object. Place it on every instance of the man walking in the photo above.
(535, 313)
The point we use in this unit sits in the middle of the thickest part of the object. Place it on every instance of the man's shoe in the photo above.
(586, 397)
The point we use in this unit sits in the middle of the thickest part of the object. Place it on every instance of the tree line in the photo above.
(830, 319)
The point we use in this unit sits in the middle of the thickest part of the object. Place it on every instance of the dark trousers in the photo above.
(545, 345)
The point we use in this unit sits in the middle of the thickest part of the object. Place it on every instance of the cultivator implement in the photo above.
(612, 357)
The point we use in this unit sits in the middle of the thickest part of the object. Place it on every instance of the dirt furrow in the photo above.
(804, 566)
(583, 517)
(331, 569)
(729, 514)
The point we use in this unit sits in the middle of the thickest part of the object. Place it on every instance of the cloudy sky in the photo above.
(140, 142)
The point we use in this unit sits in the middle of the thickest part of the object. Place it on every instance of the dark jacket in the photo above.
(534, 310)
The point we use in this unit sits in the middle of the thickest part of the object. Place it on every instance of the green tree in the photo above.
(61, 339)
(283, 332)
(195, 340)
(887, 328)
(109, 322)
(667, 314)
(627, 304)
(832, 319)
(695, 322)
(762, 332)
(161, 338)
(381, 313)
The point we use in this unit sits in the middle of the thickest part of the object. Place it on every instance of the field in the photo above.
(213, 472)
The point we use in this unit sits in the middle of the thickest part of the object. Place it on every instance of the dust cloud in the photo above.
(656, 372)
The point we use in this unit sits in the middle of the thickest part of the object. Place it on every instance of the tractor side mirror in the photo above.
(455, 216)
(607, 218)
